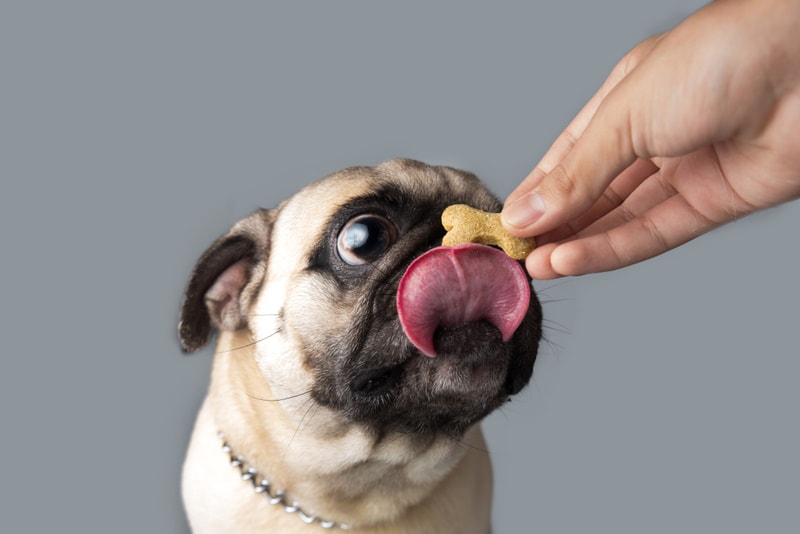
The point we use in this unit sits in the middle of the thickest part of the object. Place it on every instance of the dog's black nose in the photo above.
(374, 382)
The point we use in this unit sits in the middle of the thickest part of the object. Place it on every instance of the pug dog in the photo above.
(355, 359)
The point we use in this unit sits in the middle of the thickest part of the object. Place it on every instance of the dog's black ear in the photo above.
(225, 280)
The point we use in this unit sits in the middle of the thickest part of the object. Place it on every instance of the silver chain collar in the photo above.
(276, 498)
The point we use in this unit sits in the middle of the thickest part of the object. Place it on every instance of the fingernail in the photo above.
(524, 211)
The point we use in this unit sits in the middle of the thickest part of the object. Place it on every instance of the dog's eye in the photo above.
(364, 239)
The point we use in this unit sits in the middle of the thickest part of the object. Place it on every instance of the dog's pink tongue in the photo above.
(453, 286)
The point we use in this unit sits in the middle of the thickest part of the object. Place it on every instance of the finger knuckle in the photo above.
(562, 183)
(655, 233)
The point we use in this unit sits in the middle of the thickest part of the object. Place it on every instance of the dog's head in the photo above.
(315, 284)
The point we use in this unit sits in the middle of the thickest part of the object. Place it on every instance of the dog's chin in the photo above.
(473, 373)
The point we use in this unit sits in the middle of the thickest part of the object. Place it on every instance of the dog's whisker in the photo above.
(246, 345)
(545, 302)
(556, 348)
(254, 397)
(551, 285)
(311, 406)
(313, 412)
(555, 326)
(463, 443)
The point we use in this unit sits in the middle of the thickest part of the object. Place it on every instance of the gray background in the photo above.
(134, 133)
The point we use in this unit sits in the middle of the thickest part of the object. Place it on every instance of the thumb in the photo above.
(585, 158)
(602, 152)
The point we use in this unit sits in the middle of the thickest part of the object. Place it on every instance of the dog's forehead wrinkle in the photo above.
(436, 181)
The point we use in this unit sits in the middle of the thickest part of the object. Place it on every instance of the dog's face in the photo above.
(315, 283)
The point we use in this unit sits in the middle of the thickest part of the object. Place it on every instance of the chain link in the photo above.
(276, 498)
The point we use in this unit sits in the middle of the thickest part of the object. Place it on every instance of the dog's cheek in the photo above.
(319, 318)
(279, 359)
(299, 324)
(275, 354)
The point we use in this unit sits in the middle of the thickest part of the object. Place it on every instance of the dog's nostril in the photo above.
(376, 381)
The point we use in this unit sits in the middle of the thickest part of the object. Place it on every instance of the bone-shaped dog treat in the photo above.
(465, 224)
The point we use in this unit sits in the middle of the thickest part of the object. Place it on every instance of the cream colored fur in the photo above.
(335, 471)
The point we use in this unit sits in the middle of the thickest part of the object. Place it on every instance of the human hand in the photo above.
(693, 129)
